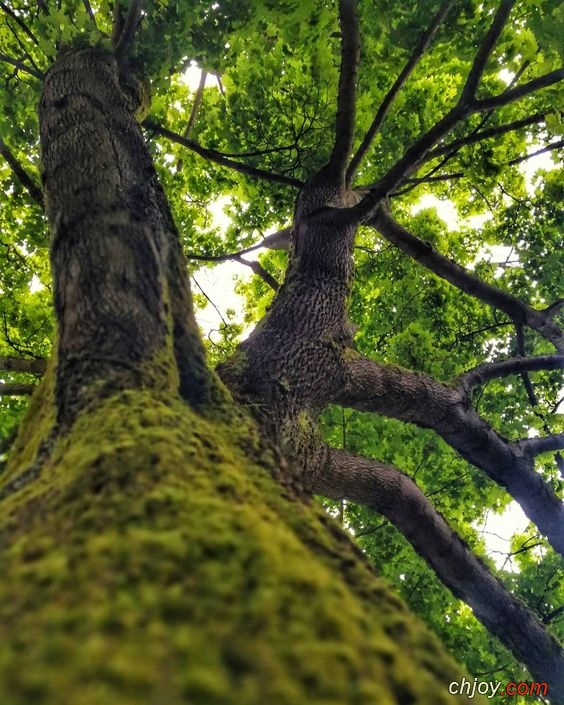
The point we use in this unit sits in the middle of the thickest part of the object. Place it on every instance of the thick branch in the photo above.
(22, 175)
(535, 446)
(346, 101)
(122, 46)
(16, 390)
(397, 497)
(280, 240)
(486, 48)
(14, 364)
(464, 280)
(218, 158)
(491, 370)
(415, 398)
(419, 51)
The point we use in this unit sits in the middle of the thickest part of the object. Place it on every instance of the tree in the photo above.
(157, 491)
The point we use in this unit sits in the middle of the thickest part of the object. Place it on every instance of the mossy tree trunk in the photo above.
(148, 553)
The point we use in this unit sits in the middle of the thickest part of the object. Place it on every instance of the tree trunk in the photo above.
(148, 554)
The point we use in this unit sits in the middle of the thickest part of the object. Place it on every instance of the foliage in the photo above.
(277, 67)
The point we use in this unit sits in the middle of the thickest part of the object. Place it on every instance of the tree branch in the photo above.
(419, 51)
(279, 240)
(21, 66)
(196, 104)
(546, 444)
(123, 40)
(464, 280)
(466, 105)
(218, 158)
(16, 390)
(551, 616)
(23, 177)
(548, 148)
(394, 495)
(522, 351)
(485, 134)
(22, 25)
(497, 101)
(486, 48)
(194, 112)
(14, 364)
(492, 370)
(260, 271)
(416, 398)
(431, 178)
(90, 12)
(346, 101)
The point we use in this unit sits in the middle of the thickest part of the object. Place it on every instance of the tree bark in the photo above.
(148, 555)
(397, 497)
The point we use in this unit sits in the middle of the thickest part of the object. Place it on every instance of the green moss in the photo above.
(154, 562)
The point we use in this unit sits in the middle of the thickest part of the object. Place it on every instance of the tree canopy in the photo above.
(454, 348)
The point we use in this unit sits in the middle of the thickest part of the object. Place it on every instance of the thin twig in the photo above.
(485, 134)
(218, 158)
(209, 300)
(260, 271)
(21, 66)
(19, 21)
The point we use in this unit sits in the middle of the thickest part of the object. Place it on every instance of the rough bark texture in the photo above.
(397, 497)
(148, 555)
(391, 391)
(291, 366)
(300, 358)
(121, 287)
